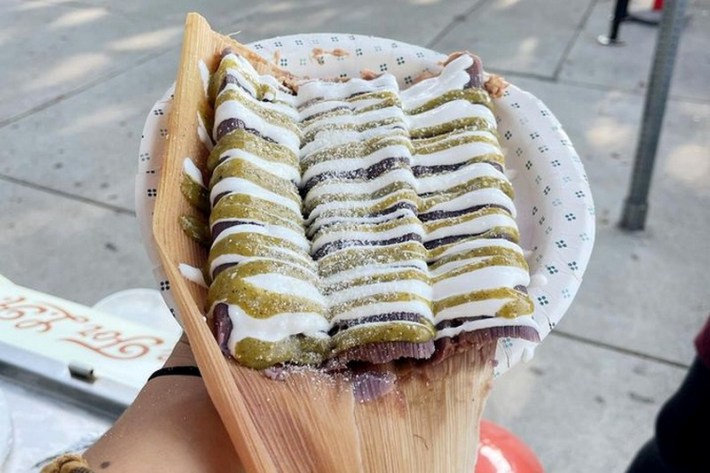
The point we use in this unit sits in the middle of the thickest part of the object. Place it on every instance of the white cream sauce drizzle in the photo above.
(445, 181)
(361, 187)
(488, 308)
(192, 274)
(237, 185)
(343, 277)
(453, 76)
(346, 121)
(464, 153)
(406, 286)
(281, 170)
(235, 258)
(324, 221)
(282, 284)
(276, 231)
(416, 307)
(330, 237)
(275, 328)
(204, 75)
(488, 277)
(192, 171)
(351, 164)
(203, 134)
(474, 198)
(279, 134)
(273, 106)
(449, 111)
(477, 225)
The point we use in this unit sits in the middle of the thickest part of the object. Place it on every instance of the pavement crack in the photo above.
(575, 36)
(621, 350)
(526, 75)
(455, 20)
(641, 92)
(67, 195)
(82, 88)
(636, 397)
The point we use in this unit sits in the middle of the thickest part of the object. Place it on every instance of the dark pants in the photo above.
(682, 441)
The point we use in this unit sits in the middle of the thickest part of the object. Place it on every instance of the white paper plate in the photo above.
(142, 306)
(555, 207)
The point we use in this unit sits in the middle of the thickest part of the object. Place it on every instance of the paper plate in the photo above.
(554, 203)
(142, 306)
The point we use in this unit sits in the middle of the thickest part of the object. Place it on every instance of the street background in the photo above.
(78, 78)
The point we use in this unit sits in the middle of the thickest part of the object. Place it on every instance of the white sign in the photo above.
(71, 333)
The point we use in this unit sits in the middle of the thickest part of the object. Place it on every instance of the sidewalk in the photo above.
(79, 78)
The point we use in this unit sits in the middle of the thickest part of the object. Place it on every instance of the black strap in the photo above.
(177, 370)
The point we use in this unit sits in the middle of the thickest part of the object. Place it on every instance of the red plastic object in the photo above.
(657, 5)
(499, 451)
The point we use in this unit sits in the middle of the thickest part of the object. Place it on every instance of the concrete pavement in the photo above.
(78, 78)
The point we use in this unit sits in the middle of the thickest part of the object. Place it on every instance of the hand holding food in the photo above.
(353, 237)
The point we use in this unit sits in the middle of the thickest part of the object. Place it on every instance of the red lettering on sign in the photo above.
(41, 317)
(111, 344)
(35, 316)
